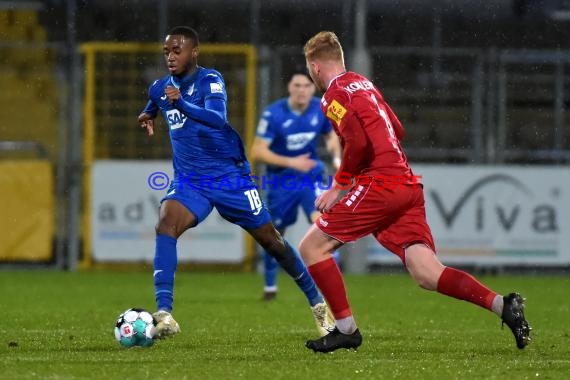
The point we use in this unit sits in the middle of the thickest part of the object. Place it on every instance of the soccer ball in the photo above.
(135, 327)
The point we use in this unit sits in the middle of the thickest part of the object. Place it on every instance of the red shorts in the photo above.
(396, 217)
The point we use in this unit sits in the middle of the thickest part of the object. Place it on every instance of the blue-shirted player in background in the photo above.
(193, 100)
(287, 137)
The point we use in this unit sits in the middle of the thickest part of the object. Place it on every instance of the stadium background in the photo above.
(482, 91)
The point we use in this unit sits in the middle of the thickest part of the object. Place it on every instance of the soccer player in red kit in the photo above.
(370, 134)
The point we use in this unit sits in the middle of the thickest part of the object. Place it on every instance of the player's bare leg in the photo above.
(316, 249)
(335, 253)
(174, 219)
(423, 266)
(272, 241)
(431, 274)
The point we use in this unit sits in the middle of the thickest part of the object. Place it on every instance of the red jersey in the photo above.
(368, 129)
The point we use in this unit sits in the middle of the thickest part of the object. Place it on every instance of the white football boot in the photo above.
(165, 325)
(323, 318)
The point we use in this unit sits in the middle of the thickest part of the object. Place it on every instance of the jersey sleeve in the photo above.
(338, 108)
(355, 142)
(396, 124)
(151, 107)
(213, 113)
(213, 87)
(264, 127)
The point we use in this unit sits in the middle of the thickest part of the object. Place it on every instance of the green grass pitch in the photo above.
(58, 325)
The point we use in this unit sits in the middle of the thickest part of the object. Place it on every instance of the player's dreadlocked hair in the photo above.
(324, 45)
(185, 31)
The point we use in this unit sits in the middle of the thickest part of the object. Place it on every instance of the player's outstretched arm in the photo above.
(355, 147)
(212, 115)
(147, 116)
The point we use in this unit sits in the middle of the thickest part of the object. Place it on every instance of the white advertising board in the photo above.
(124, 212)
(495, 215)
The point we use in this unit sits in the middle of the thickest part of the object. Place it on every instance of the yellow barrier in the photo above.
(27, 209)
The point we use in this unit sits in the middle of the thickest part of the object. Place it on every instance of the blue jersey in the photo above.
(199, 150)
(291, 134)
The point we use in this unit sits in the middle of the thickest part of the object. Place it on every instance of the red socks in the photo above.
(463, 286)
(328, 278)
(452, 282)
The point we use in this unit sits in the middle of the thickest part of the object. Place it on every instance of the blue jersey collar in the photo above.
(186, 79)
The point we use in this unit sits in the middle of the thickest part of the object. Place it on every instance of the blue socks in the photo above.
(165, 261)
(294, 266)
(270, 268)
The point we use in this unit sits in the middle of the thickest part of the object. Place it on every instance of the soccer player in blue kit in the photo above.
(287, 137)
(210, 170)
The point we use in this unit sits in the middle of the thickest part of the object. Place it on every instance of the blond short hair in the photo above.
(324, 45)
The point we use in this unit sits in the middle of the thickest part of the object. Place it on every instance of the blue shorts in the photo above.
(283, 205)
(236, 198)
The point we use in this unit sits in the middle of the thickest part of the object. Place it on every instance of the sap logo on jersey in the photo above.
(298, 141)
(175, 119)
(359, 85)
